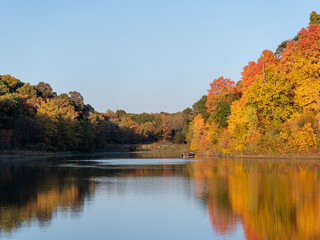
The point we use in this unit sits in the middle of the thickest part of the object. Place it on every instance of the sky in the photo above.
(141, 55)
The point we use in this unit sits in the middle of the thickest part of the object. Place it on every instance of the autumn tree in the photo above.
(28, 90)
(3, 88)
(11, 83)
(58, 118)
(221, 94)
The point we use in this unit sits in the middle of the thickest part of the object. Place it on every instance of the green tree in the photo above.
(11, 82)
(314, 18)
(280, 48)
(9, 108)
(120, 113)
(44, 90)
(200, 107)
(57, 117)
(77, 100)
(27, 89)
(3, 88)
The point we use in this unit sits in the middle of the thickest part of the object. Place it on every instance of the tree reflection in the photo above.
(30, 194)
(36, 192)
(272, 199)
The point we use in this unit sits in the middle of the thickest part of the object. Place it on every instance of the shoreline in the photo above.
(263, 156)
(156, 147)
(110, 149)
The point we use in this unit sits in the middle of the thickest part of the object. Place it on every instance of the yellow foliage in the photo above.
(198, 127)
(238, 125)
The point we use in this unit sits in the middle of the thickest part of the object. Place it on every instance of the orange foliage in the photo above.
(274, 91)
(253, 69)
(219, 88)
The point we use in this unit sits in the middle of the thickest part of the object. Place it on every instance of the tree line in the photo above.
(275, 107)
(37, 118)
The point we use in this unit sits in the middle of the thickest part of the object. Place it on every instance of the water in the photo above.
(152, 196)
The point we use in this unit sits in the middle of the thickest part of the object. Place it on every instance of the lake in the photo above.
(158, 196)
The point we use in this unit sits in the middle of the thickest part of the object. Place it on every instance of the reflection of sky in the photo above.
(134, 208)
(142, 161)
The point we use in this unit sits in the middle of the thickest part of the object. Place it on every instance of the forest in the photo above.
(274, 108)
(37, 118)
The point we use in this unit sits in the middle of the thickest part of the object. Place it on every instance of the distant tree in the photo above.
(222, 110)
(142, 118)
(65, 97)
(179, 137)
(314, 18)
(200, 107)
(57, 117)
(3, 88)
(11, 82)
(9, 108)
(120, 113)
(187, 111)
(109, 111)
(44, 90)
(166, 131)
(27, 89)
(87, 108)
(280, 48)
(77, 100)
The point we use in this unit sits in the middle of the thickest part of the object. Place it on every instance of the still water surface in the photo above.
(152, 196)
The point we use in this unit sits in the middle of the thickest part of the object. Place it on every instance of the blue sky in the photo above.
(141, 56)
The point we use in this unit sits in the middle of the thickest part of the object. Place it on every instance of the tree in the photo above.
(200, 107)
(44, 90)
(305, 68)
(57, 117)
(218, 89)
(280, 48)
(11, 82)
(253, 69)
(28, 90)
(77, 100)
(196, 131)
(120, 113)
(314, 18)
(3, 88)
(221, 94)
(9, 108)
(65, 97)
(166, 131)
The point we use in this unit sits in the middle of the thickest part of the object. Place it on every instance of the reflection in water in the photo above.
(270, 199)
(35, 193)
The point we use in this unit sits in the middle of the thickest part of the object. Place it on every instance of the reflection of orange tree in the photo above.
(212, 187)
(273, 200)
